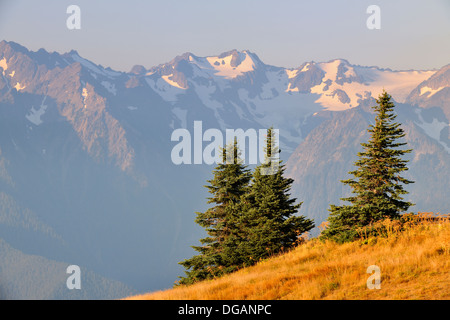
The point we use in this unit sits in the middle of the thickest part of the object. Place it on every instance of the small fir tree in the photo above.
(268, 223)
(230, 182)
(377, 186)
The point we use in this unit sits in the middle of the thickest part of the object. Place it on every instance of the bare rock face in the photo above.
(306, 79)
(138, 70)
(434, 92)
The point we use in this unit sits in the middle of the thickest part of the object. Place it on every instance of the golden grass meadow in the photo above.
(414, 264)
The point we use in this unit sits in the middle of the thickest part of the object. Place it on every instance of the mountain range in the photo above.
(86, 176)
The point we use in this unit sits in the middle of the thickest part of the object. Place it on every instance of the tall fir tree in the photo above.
(230, 182)
(268, 224)
(377, 186)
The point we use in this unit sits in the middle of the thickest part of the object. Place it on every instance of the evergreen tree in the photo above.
(267, 223)
(230, 182)
(377, 186)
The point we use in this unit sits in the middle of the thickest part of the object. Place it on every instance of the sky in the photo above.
(413, 34)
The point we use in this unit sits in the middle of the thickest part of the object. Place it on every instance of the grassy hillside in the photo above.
(414, 264)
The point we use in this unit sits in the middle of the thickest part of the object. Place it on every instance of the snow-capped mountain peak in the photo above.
(344, 85)
(227, 65)
(236, 87)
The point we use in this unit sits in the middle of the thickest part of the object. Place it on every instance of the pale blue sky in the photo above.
(286, 33)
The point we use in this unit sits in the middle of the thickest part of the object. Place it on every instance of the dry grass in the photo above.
(414, 263)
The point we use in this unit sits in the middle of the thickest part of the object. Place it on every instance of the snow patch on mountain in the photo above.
(292, 73)
(171, 82)
(110, 87)
(84, 94)
(19, 87)
(167, 91)
(34, 116)
(228, 67)
(432, 129)
(92, 67)
(429, 92)
(224, 68)
(274, 86)
(305, 68)
(204, 93)
(284, 111)
(3, 65)
(399, 84)
(330, 69)
(289, 89)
